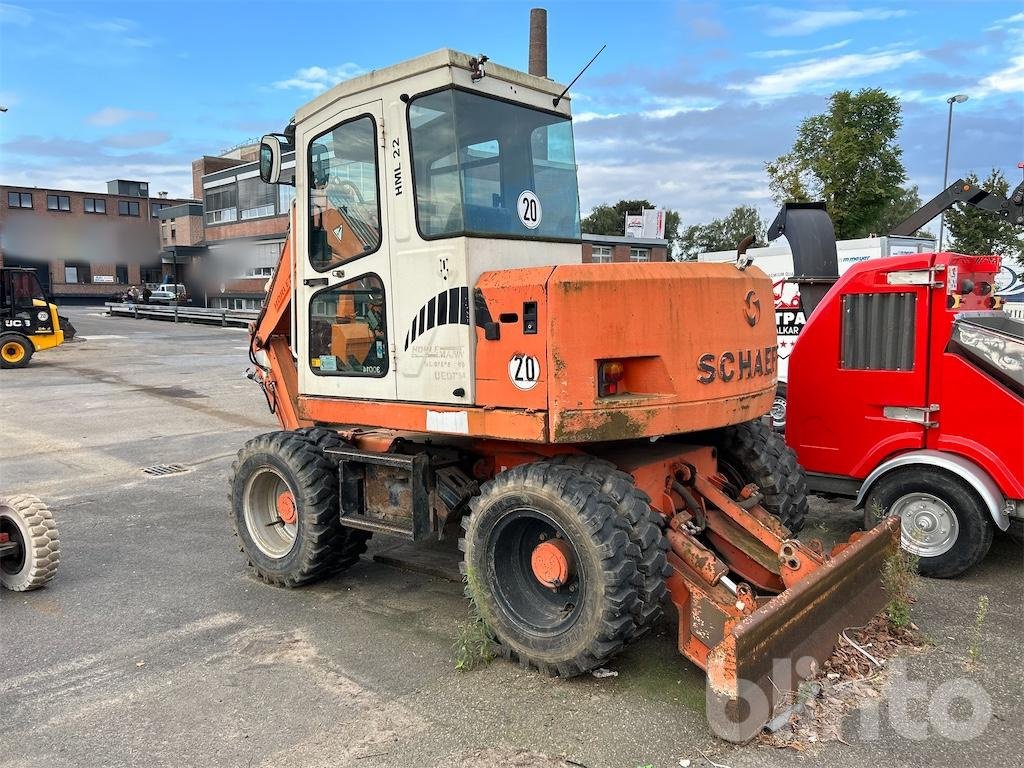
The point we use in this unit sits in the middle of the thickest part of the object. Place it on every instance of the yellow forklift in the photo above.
(28, 321)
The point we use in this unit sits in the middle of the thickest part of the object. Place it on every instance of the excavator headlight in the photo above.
(609, 375)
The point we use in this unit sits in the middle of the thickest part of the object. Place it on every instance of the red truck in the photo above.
(906, 393)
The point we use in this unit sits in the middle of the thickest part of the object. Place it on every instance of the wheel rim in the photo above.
(12, 352)
(526, 548)
(928, 525)
(271, 515)
(12, 564)
(778, 413)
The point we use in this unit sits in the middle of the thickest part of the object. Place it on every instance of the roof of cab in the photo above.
(440, 59)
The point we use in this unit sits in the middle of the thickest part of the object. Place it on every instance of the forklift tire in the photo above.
(953, 528)
(550, 568)
(15, 350)
(646, 530)
(753, 452)
(284, 510)
(29, 523)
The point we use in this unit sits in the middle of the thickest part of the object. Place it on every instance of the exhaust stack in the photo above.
(539, 42)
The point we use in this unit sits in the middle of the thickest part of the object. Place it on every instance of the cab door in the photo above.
(343, 260)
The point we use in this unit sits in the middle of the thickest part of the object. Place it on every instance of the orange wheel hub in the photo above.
(286, 507)
(552, 562)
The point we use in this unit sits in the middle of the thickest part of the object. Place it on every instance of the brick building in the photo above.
(245, 224)
(604, 249)
(85, 246)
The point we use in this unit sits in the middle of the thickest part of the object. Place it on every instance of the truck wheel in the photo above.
(284, 509)
(754, 453)
(778, 411)
(550, 568)
(646, 531)
(29, 524)
(15, 350)
(942, 520)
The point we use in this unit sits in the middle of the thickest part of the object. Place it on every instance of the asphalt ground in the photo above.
(154, 646)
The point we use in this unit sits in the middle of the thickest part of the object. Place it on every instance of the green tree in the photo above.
(847, 157)
(611, 220)
(908, 201)
(974, 231)
(724, 234)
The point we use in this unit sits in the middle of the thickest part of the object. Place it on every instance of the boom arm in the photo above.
(961, 191)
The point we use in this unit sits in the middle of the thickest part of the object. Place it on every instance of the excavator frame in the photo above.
(627, 492)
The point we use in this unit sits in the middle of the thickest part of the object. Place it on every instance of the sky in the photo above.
(684, 107)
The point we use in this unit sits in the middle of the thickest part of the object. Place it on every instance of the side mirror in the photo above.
(272, 148)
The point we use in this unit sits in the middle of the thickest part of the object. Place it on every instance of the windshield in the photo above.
(485, 166)
(21, 289)
(995, 342)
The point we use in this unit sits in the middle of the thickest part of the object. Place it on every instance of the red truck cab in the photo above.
(906, 391)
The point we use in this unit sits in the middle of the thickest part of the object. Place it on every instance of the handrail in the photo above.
(224, 317)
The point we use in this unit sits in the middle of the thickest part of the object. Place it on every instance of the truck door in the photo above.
(343, 259)
(863, 369)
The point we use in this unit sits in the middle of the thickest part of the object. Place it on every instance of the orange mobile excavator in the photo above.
(443, 366)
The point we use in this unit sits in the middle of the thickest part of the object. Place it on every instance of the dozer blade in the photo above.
(790, 636)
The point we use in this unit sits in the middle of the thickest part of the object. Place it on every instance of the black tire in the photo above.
(778, 411)
(29, 523)
(968, 541)
(354, 542)
(15, 350)
(67, 327)
(314, 545)
(582, 623)
(753, 452)
(646, 531)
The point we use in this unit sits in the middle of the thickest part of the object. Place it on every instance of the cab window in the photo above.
(343, 200)
(347, 333)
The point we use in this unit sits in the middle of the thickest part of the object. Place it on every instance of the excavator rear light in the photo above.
(610, 374)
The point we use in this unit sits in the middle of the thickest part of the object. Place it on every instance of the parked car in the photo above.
(165, 297)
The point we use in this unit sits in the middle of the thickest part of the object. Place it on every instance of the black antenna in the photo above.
(555, 101)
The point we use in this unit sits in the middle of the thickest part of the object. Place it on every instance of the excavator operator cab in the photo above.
(411, 182)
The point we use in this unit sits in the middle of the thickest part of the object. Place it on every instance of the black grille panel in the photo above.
(878, 331)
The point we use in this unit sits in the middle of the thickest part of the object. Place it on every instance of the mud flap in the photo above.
(787, 639)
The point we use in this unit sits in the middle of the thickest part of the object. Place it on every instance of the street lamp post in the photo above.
(960, 98)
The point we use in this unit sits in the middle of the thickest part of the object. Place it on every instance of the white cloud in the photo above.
(138, 140)
(116, 115)
(1017, 18)
(1007, 80)
(319, 79)
(791, 22)
(782, 53)
(823, 72)
(14, 14)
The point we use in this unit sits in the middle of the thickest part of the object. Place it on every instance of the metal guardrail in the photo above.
(238, 318)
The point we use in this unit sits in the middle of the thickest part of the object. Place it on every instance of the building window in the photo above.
(639, 254)
(58, 203)
(260, 272)
(121, 271)
(77, 272)
(155, 208)
(127, 208)
(601, 254)
(151, 275)
(255, 199)
(174, 234)
(221, 204)
(19, 200)
(95, 205)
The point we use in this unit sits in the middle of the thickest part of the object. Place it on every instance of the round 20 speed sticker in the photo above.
(528, 208)
(524, 371)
